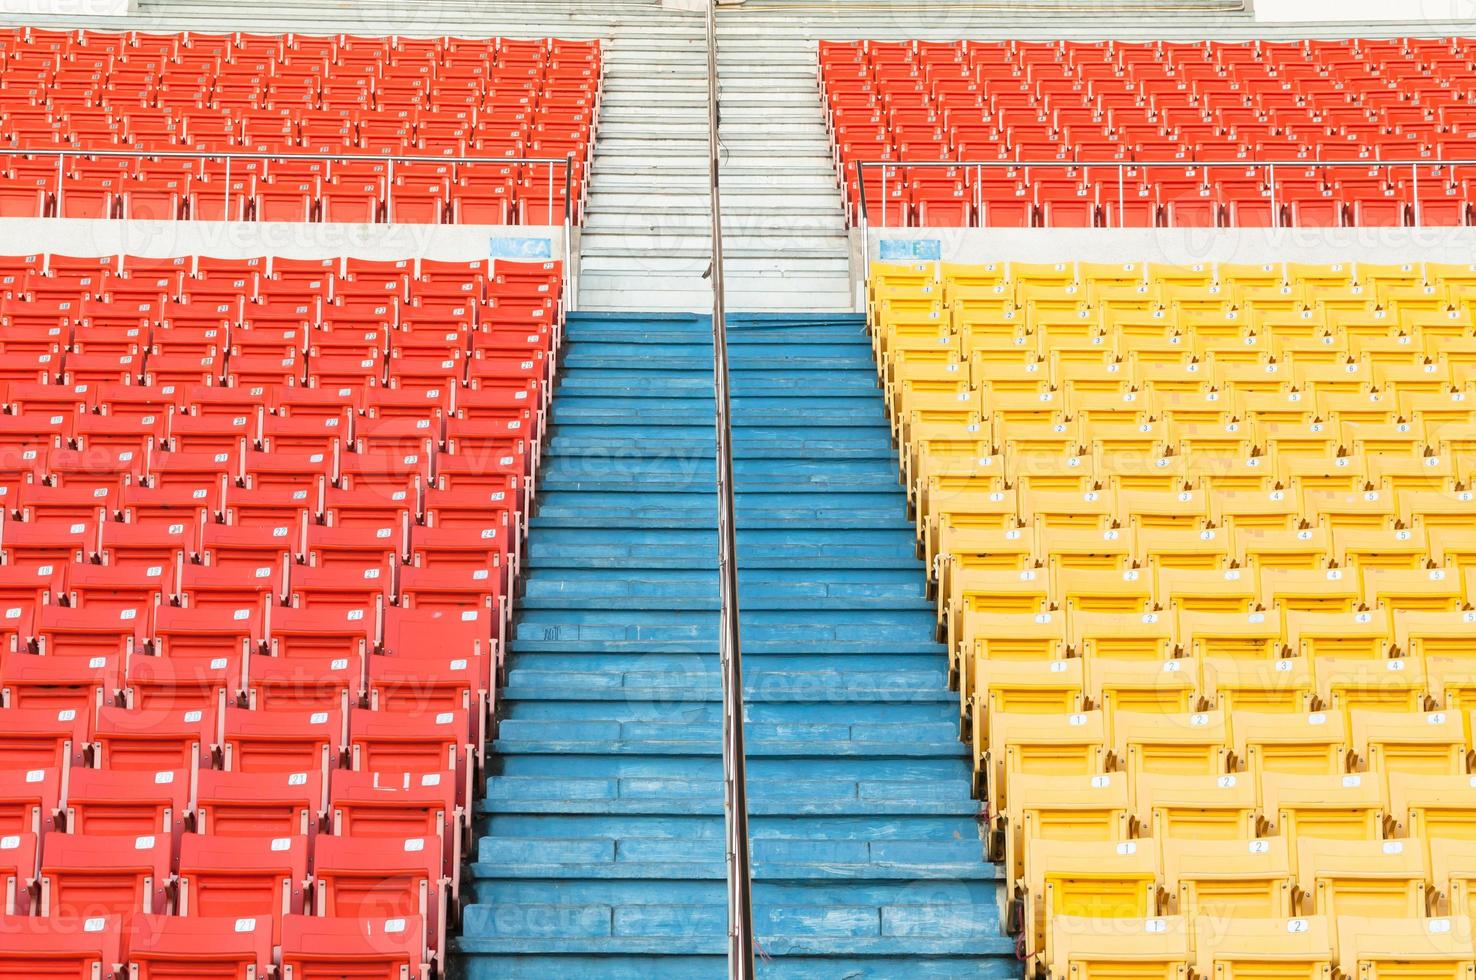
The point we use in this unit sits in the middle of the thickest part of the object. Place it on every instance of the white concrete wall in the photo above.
(68, 8)
(1349, 11)
(232, 239)
(1186, 246)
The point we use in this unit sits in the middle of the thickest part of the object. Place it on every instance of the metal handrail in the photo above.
(1123, 166)
(389, 159)
(735, 780)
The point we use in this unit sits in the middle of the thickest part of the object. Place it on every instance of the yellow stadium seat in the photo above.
(1338, 509)
(1349, 684)
(1263, 686)
(1454, 546)
(1092, 590)
(1314, 743)
(1255, 635)
(1007, 636)
(1123, 949)
(1418, 590)
(962, 502)
(965, 549)
(1081, 808)
(993, 590)
(1361, 633)
(1420, 742)
(938, 447)
(1372, 404)
(1371, 276)
(1158, 509)
(1089, 879)
(1453, 875)
(1398, 548)
(1341, 473)
(1229, 590)
(1429, 807)
(1324, 591)
(1451, 406)
(1338, 275)
(1285, 948)
(1070, 744)
(1451, 682)
(1141, 635)
(1200, 549)
(1435, 634)
(1132, 470)
(1095, 507)
(1275, 510)
(1426, 471)
(1228, 879)
(1108, 551)
(1163, 687)
(1410, 949)
(1362, 877)
(1199, 404)
(1067, 472)
(1172, 744)
(1345, 807)
(1218, 807)
(1181, 276)
(1303, 548)
(938, 365)
(956, 275)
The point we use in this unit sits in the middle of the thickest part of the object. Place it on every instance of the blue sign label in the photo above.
(522, 248)
(911, 249)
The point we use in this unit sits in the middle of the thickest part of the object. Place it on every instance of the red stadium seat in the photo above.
(18, 857)
(92, 875)
(327, 948)
(374, 878)
(155, 740)
(174, 947)
(77, 948)
(29, 799)
(105, 802)
(243, 877)
(259, 804)
(283, 741)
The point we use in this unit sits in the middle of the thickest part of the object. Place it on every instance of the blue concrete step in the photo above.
(600, 838)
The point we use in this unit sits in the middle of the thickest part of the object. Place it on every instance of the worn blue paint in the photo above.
(521, 249)
(601, 837)
(910, 249)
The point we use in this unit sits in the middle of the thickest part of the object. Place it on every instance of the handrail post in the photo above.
(865, 221)
(61, 179)
(389, 190)
(735, 786)
(225, 205)
(1271, 182)
(865, 217)
(1415, 186)
(570, 292)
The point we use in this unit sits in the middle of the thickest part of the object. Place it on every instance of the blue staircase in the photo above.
(601, 836)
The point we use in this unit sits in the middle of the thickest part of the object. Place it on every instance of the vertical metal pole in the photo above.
(865, 237)
(1415, 169)
(389, 189)
(570, 287)
(1271, 180)
(549, 213)
(1121, 202)
(61, 178)
(225, 205)
(735, 786)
